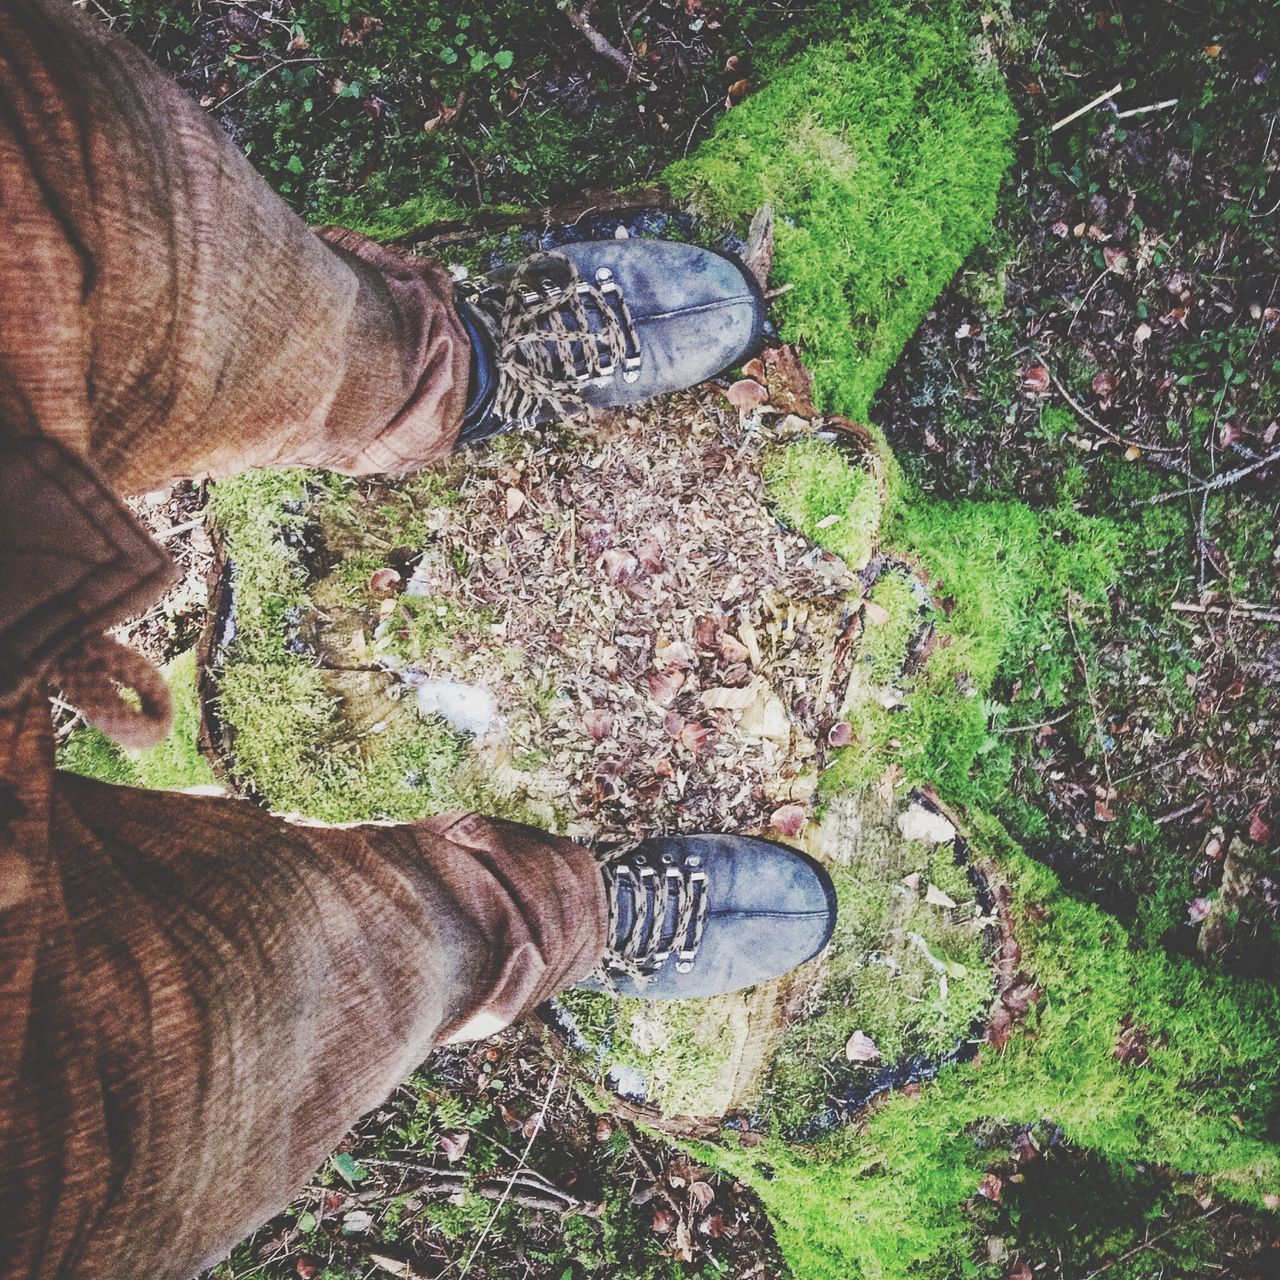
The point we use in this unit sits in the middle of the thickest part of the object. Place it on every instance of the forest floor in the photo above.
(1107, 359)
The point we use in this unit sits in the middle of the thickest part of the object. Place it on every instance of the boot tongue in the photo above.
(483, 380)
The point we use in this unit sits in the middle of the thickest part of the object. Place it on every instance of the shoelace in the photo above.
(545, 365)
(668, 915)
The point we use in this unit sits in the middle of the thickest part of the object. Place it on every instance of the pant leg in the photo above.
(222, 994)
(196, 998)
(165, 313)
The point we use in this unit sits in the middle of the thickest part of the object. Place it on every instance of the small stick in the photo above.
(1222, 481)
(1043, 724)
(1088, 106)
(1155, 106)
(1261, 612)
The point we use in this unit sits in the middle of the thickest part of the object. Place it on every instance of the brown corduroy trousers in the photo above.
(198, 998)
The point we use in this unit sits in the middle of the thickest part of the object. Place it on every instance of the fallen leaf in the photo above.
(912, 881)
(732, 649)
(712, 1226)
(1020, 996)
(860, 1047)
(618, 565)
(1116, 259)
(702, 1195)
(754, 368)
(738, 90)
(357, 1221)
(935, 897)
(1212, 50)
(840, 734)
(683, 1246)
(305, 1268)
(723, 698)
(383, 582)
(789, 820)
(1035, 378)
(991, 1186)
(1141, 334)
(515, 500)
(662, 1222)
(598, 723)
(1271, 1200)
(1018, 1270)
(393, 1266)
(664, 685)
(1198, 908)
(1132, 453)
(1104, 383)
(746, 395)
(1259, 827)
(454, 1145)
(673, 653)
(693, 737)
(651, 556)
(876, 614)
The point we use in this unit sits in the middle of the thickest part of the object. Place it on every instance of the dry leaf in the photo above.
(454, 1145)
(693, 737)
(738, 90)
(598, 723)
(651, 556)
(1116, 259)
(701, 1194)
(912, 881)
(935, 897)
(383, 582)
(746, 395)
(789, 820)
(1141, 334)
(840, 734)
(515, 500)
(664, 685)
(723, 698)
(1035, 378)
(876, 614)
(392, 1266)
(663, 1221)
(618, 565)
(1132, 453)
(1259, 827)
(860, 1047)
(732, 649)
(1104, 383)
(754, 369)
(991, 1186)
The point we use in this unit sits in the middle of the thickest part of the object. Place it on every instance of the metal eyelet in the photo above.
(603, 274)
(684, 966)
(667, 859)
(693, 860)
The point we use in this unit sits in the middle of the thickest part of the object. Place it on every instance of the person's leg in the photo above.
(218, 995)
(165, 314)
(197, 998)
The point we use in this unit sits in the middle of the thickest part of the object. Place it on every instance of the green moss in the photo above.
(172, 765)
(881, 151)
(886, 641)
(911, 975)
(812, 488)
(287, 738)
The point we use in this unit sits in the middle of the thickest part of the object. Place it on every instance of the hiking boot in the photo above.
(706, 915)
(601, 324)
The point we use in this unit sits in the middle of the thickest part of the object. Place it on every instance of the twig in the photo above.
(1261, 612)
(1155, 106)
(287, 62)
(174, 530)
(1219, 481)
(1179, 813)
(497, 1208)
(1093, 422)
(1147, 1244)
(530, 1190)
(1044, 724)
(1093, 701)
(581, 20)
(1088, 106)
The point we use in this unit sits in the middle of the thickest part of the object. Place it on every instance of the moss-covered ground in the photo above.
(1139, 1081)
